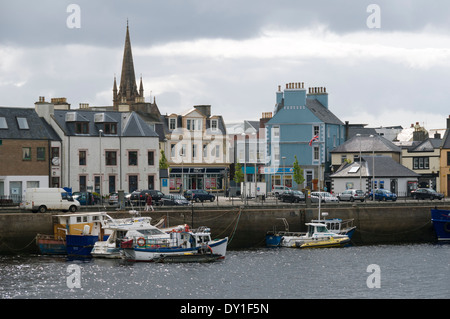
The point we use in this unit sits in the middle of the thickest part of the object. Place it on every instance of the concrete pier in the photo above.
(246, 226)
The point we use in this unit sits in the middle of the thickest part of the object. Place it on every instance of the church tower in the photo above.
(127, 93)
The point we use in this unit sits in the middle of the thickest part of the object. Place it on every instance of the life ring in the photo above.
(141, 241)
(447, 227)
(186, 228)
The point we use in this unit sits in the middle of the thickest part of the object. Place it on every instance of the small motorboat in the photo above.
(317, 236)
(180, 244)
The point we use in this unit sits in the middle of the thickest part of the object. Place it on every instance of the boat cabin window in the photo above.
(322, 229)
(203, 239)
(150, 232)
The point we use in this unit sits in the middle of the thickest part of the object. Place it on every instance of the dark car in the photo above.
(426, 193)
(174, 200)
(138, 197)
(292, 196)
(86, 198)
(383, 194)
(198, 195)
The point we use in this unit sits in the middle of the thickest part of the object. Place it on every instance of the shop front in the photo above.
(208, 178)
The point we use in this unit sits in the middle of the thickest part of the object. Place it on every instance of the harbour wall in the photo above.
(246, 226)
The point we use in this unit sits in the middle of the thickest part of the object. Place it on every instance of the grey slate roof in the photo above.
(429, 145)
(385, 166)
(38, 127)
(367, 144)
(322, 113)
(446, 140)
(128, 124)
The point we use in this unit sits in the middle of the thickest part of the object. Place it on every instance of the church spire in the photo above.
(127, 78)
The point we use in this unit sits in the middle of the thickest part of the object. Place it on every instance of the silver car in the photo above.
(352, 195)
(324, 196)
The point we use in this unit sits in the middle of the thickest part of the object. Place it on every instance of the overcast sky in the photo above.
(234, 54)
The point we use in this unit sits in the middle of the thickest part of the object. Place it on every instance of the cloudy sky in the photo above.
(234, 54)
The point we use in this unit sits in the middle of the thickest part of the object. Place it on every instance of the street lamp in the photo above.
(245, 165)
(373, 165)
(360, 168)
(100, 161)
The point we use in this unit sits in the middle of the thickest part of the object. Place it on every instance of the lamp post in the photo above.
(360, 168)
(373, 166)
(245, 166)
(100, 163)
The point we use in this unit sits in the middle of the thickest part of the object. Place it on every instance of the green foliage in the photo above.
(298, 172)
(238, 174)
(163, 164)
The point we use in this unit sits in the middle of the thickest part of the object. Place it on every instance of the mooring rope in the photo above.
(15, 249)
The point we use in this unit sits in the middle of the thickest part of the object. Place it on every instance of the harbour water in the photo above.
(358, 272)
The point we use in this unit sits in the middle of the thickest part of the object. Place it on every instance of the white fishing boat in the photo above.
(180, 244)
(318, 235)
(123, 229)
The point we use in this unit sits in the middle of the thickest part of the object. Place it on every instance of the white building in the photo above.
(104, 151)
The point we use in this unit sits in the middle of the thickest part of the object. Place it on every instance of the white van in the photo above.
(43, 199)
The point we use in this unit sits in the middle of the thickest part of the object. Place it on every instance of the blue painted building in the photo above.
(302, 126)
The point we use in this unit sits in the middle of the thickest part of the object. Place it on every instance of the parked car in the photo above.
(113, 199)
(278, 189)
(86, 198)
(426, 193)
(138, 197)
(352, 195)
(324, 196)
(292, 196)
(174, 200)
(383, 194)
(198, 195)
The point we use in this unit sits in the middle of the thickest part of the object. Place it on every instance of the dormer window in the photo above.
(194, 124)
(214, 124)
(172, 123)
(81, 128)
(23, 123)
(3, 124)
(110, 128)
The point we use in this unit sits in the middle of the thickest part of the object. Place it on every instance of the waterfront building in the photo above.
(375, 172)
(196, 149)
(247, 146)
(423, 157)
(103, 152)
(361, 145)
(445, 161)
(302, 126)
(29, 153)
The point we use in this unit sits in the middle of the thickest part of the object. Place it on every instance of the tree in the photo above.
(298, 172)
(163, 164)
(238, 174)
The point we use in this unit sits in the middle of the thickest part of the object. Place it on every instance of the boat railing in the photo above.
(290, 233)
(149, 242)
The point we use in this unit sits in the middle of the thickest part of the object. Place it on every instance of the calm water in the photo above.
(405, 271)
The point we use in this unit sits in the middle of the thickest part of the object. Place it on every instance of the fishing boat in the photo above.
(441, 223)
(122, 229)
(180, 244)
(317, 236)
(71, 232)
(337, 225)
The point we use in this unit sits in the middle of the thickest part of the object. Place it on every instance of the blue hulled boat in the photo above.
(441, 223)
